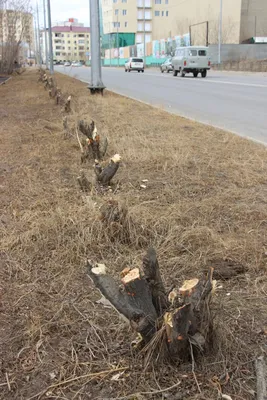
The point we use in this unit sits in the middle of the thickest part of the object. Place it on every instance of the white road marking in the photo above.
(211, 81)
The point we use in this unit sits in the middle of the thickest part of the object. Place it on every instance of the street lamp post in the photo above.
(220, 33)
(45, 35)
(96, 84)
(50, 38)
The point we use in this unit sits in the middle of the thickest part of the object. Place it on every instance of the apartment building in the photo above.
(158, 19)
(71, 41)
(16, 27)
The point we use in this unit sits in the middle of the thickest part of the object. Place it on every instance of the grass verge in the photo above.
(204, 204)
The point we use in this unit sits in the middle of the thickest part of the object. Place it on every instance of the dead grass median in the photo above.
(205, 202)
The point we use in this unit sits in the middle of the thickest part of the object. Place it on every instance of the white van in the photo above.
(193, 59)
(134, 64)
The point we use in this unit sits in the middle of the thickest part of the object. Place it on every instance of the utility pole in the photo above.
(96, 84)
(38, 33)
(50, 38)
(144, 34)
(109, 45)
(45, 35)
(220, 33)
(118, 49)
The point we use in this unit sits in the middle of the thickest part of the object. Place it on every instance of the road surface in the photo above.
(236, 102)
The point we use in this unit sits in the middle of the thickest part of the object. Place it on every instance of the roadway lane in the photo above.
(236, 102)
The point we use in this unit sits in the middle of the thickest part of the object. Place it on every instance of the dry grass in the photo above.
(205, 200)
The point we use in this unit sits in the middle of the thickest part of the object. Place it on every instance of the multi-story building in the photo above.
(71, 41)
(159, 19)
(16, 31)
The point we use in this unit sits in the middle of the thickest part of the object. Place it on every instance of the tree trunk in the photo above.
(182, 320)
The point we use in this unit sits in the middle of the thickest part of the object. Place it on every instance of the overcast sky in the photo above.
(62, 10)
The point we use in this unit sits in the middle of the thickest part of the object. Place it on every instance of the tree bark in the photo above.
(153, 277)
(132, 300)
(104, 175)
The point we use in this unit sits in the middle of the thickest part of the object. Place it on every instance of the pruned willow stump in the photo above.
(171, 324)
(104, 174)
(95, 146)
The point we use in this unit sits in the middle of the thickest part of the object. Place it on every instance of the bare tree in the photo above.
(15, 32)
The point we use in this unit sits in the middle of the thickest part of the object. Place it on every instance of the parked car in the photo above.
(166, 66)
(193, 59)
(67, 64)
(134, 64)
(76, 64)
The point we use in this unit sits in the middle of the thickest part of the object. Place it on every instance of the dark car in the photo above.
(166, 66)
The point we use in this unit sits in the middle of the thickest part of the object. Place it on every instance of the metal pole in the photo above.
(190, 40)
(38, 33)
(45, 35)
(207, 37)
(118, 50)
(96, 84)
(50, 38)
(144, 35)
(220, 32)
(109, 45)
(36, 42)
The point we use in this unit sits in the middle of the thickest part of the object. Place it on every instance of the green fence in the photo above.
(150, 62)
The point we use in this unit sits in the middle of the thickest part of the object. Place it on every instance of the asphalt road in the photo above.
(236, 102)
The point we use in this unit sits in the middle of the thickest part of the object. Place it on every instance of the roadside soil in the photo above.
(205, 204)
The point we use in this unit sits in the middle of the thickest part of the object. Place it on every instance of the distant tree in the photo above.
(15, 29)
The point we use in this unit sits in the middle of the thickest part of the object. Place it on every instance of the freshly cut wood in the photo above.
(188, 287)
(104, 175)
(143, 300)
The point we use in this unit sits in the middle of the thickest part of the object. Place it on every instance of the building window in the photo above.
(124, 12)
(114, 1)
(167, 13)
(116, 12)
(157, 13)
(125, 24)
(57, 54)
(69, 48)
(162, 13)
(116, 24)
(166, 1)
(69, 41)
(157, 1)
(124, 1)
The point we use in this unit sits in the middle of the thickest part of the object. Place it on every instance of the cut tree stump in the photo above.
(67, 107)
(117, 223)
(96, 146)
(172, 325)
(105, 174)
